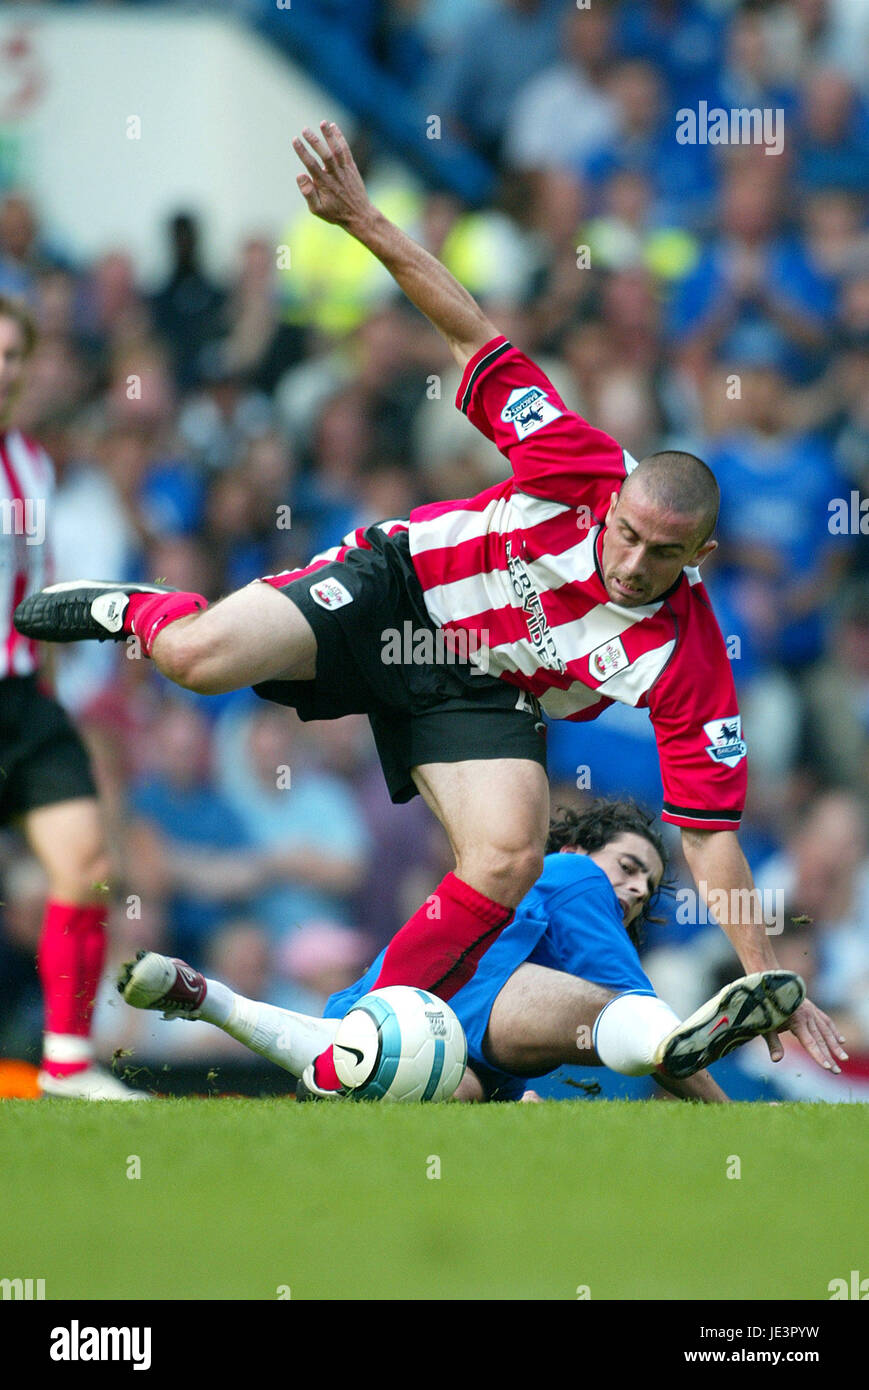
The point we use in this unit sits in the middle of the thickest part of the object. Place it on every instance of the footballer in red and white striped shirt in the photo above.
(577, 579)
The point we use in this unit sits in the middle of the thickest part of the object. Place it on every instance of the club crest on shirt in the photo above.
(608, 658)
(330, 593)
(528, 409)
(726, 744)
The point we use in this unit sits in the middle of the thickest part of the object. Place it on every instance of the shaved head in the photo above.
(658, 525)
(672, 481)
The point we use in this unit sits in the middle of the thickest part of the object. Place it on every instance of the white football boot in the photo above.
(93, 1083)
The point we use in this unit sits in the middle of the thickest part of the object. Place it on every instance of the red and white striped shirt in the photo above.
(26, 488)
(518, 569)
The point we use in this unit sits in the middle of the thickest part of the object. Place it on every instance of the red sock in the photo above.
(148, 614)
(72, 949)
(439, 949)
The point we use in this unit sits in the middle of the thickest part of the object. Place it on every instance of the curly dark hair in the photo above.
(602, 822)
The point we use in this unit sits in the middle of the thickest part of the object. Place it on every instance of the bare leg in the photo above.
(543, 1019)
(67, 839)
(496, 815)
(253, 635)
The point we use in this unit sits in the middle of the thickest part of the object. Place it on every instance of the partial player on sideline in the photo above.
(47, 788)
(571, 584)
(562, 984)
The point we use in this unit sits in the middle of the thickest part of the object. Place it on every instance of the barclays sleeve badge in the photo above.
(726, 744)
(528, 409)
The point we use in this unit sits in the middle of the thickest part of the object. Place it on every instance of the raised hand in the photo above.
(817, 1034)
(332, 186)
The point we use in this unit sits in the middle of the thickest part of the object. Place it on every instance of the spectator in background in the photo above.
(24, 889)
(57, 380)
(748, 75)
(54, 307)
(681, 37)
(117, 721)
(94, 528)
(287, 975)
(305, 823)
(778, 557)
(188, 309)
(327, 496)
(833, 127)
(611, 389)
(239, 553)
(474, 85)
(23, 257)
(259, 347)
(443, 23)
(626, 234)
(681, 177)
(140, 390)
(187, 844)
(399, 42)
(333, 284)
(561, 116)
(561, 290)
(834, 233)
(837, 699)
(181, 560)
(110, 314)
(317, 961)
(832, 32)
(851, 429)
(251, 520)
(389, 377)
(218, 421)
(408, 843)
(754, 281)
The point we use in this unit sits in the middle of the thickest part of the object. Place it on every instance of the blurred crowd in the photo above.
(210, 430)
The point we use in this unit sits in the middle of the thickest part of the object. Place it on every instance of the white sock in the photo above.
(288, 1039)
(67, 1048)
(629, 1030)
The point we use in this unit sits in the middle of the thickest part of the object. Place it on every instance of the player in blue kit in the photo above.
(562, 983)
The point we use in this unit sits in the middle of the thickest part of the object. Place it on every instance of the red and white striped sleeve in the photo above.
(553, 452)
(698, 727)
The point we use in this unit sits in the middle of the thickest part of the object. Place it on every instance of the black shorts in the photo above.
(438, 711)
(42, 758)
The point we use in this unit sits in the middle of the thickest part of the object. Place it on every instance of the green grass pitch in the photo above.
(246, 1199)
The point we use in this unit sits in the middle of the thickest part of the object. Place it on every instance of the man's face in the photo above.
(11, 364)
(645, 549)
(633, 867)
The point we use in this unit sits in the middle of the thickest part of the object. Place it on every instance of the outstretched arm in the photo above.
(334, 191)
(701, 1086)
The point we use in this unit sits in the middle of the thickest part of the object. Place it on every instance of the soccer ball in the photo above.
(400, 1043)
